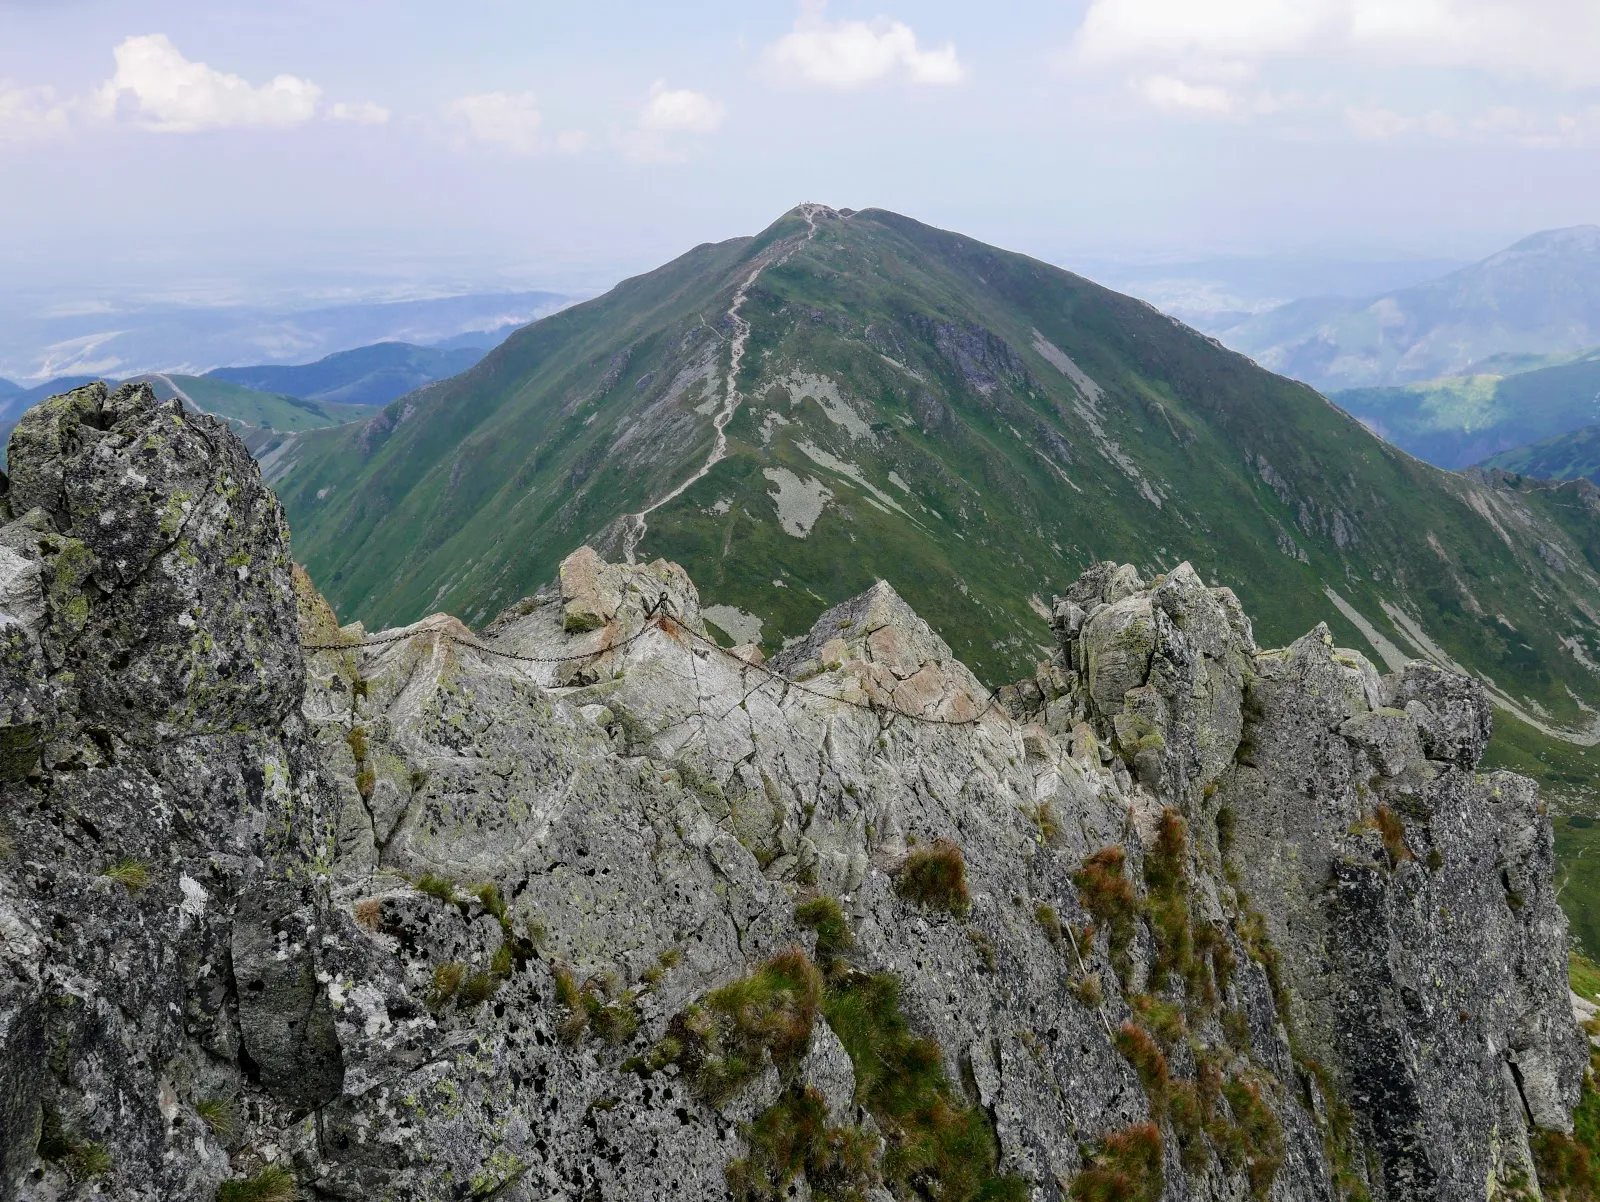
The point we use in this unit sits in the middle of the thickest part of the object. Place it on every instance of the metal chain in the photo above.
(662, 606)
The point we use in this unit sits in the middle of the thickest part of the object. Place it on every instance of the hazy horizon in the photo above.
(370, 149)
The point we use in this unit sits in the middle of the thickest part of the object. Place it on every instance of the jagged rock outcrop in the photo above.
(159, 814)
(585, 907)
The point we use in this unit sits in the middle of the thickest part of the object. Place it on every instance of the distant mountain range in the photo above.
(1461, 420)
(368, 375)
(1539, 297)
(120, 340)
(270, 400)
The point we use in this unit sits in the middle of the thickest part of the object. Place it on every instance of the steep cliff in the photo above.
(586, 906)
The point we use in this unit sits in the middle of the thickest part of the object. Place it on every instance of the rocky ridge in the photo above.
(584, 906)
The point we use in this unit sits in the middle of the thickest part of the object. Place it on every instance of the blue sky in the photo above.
(352, 146)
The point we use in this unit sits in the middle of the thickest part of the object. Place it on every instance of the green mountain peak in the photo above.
(854, 396)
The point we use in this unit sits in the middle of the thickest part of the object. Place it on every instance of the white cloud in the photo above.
(1553, 40)
(848, 54)
(168, 92)
(508, 119)
(360, 114)
(1378, 124)
(29, 114)
(1169, 92)
(675, 110)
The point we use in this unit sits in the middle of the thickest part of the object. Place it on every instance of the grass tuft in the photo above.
(434, 885)
(446, 984)
(1392, 831)
(220, 1115)
(130, 874)
(1262, 1136)
(89, 1161)
(1568, 1166)
(826, 917)
(936, 877)
(1107, 894)
(1047, 918)
(369, 913)
(1127, 1167)
(275, 1183)
(793, 1136)
(1142, 1051)
(936, 1147)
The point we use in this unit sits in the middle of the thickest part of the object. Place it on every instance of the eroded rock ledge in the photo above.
(1180, 916)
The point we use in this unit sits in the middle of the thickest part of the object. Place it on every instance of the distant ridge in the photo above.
(1540, 296)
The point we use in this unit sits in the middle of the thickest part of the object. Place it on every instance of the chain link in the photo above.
(662, 606)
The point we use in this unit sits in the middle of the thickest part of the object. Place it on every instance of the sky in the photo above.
(361, 148)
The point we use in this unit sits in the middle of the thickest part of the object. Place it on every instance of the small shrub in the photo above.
(356, 739)
(1127, 1167)
(130, 874)
(505, 959)
(275, 1183)
(366, 782)
(936, 877)
(435, 885)
(1107, 894)
(220, 1115)
(1047, 918)
(825, 916)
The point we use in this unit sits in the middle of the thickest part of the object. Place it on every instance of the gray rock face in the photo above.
(586, 908)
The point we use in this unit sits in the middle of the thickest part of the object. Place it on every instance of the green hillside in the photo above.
(1461, 420)
(367, 375)
(974, 426)
(1571, 456)
(268, 410)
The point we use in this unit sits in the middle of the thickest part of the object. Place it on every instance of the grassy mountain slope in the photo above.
(1572, 455)
(1462, 420)
(973, 425)
(252, 407)
(1540, 296)
(367, 375)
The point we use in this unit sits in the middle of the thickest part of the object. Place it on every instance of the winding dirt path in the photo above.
(634, 525)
